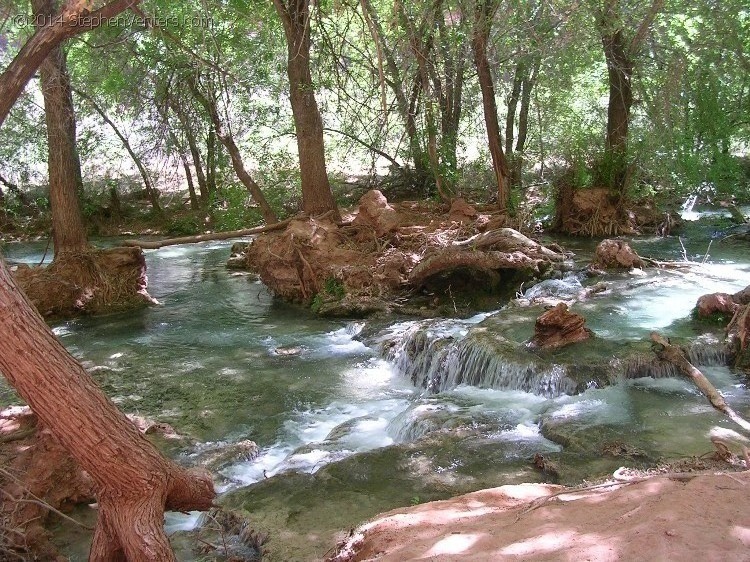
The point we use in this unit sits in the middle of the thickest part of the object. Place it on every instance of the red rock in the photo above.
(375, 211)
(721, 303)
(616, 254)
(559, 327)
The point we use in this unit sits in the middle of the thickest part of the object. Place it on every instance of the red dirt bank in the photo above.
(685, 517)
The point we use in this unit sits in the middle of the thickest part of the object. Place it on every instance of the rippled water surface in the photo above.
(222, 361)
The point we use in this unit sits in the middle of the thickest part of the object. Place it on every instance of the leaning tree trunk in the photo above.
(483, 15)
(151, 191)
(317, 197)
(68, 232)
(134, 482)
(65, 25)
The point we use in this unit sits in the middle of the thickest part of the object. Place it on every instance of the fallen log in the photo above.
(149, 245)
(676, 356)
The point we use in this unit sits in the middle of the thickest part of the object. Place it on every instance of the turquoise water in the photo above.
(211, 361)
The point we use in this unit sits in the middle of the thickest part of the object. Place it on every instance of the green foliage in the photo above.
(184, 225)
(232, 210)
(333, 290)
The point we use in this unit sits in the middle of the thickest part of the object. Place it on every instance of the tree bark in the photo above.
(151, 192)
(483, 14)
(45, 39)
(63, 164)
(134, 483)
(317, 197)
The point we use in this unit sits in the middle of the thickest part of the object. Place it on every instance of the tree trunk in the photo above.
(212, 157)
(317, 197)
(226, 138)
(483, 14)
(523, 84)
(620, 53)
(134, 483)
(68, 232)
(619, 74)
(194, 203)
(151, 192)
(195, 154)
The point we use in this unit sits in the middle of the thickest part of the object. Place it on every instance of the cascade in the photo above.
(437, 361)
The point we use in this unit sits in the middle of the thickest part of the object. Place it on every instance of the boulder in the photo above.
(716, 303)
(461, 211)
(376, 212)
(616, 254)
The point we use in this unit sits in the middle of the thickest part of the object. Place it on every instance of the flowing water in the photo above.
(352, 419)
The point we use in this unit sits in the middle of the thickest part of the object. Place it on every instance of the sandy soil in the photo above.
(683, 517)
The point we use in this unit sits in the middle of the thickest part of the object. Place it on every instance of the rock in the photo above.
(375, 211)
(237, 258)
(559, 327)
(291, 351)
(716, 303)
(462, 211)
(218, 457)
(616, 254)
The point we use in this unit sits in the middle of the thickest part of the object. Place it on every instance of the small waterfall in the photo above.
(708, 355)
(699, 354)
(686, 211)
(438, 362)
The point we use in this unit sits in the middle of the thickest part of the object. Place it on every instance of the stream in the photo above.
(355, 418)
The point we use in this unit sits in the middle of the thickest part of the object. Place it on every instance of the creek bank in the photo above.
(397, 257)
(91, 282)
(545, 522)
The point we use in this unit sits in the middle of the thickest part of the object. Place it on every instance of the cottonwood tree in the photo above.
(317, 197)
(134, 482)
(621, 44)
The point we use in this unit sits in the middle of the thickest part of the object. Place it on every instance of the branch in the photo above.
(68, 24)
(675, 355)
(363, 143)
(643, 29)
(147, 245)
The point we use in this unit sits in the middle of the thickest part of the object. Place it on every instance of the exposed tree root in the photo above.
(390, 250)
(89, 282)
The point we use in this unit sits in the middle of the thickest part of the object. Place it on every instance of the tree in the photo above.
(317, 197)
(135, 484)
(63, 164)
(620, 52)
(484, 13)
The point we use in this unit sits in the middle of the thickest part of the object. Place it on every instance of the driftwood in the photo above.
(453, 259)
(675, 355)
(147, 245)
(509, 240)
